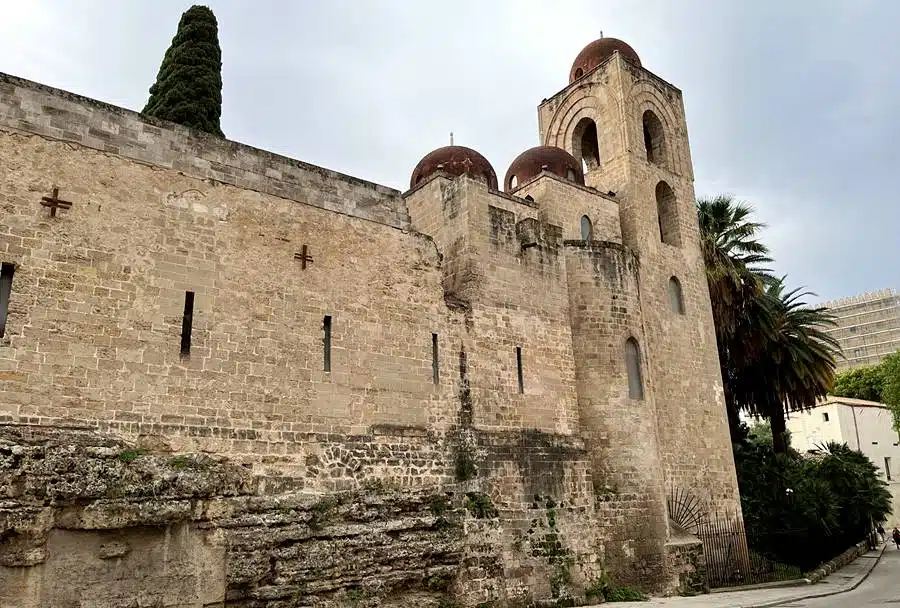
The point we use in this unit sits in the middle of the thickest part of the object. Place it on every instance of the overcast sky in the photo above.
(792, 105)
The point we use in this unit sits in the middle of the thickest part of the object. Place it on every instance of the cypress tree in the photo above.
(188, 88)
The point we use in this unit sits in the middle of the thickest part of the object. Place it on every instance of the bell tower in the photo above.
(627, 127)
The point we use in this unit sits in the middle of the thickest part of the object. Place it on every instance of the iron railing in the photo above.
(736, 557)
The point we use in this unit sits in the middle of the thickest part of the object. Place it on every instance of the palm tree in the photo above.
(733, 255)
(795, 368)
(773, 352)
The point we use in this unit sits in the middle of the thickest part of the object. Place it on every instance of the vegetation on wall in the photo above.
(773, 351)
(188, 88)
(874, 383)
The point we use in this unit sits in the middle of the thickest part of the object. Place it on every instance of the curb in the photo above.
(813, 596)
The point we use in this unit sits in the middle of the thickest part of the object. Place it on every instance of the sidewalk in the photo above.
(845, 579)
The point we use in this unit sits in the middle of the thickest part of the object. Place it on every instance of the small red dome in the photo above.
(599, 51)
(455, 160)
(531, 162)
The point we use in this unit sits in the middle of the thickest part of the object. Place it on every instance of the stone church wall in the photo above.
(95, 322)
(94, 384)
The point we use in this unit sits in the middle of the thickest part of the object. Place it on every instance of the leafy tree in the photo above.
(864, 497)
(760, 435)
(188, 88)
(890, 385)
(860, 383)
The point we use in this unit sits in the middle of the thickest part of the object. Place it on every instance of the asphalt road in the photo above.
(882, 588)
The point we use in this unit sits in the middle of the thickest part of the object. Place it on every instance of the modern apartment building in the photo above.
(868, 327)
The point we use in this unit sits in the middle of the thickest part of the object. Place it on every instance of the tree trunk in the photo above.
(779, 431)
(734, 422)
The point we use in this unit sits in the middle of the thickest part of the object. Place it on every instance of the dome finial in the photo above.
(451, 138)
(601, 33)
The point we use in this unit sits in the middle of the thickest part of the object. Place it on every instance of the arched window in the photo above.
(529, 198)
(570, 174)
(513, 182)
(579, 73)
(667, 214)
(633, 368)
(586, 144)
(676, 298)
(654, 139)
(587, 228)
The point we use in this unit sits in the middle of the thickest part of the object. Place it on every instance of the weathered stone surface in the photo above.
(189, 531)
(476, 356)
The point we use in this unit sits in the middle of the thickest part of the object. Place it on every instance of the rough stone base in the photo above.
(687, 567)
(89, 521)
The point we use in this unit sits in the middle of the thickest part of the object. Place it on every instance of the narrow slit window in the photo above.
(6, 277)
(435, 365)
(187, 323)
(887, 468)
(519, 375)
(633, 368)
(327, 343)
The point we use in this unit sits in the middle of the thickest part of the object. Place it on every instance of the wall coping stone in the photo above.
(56, 114)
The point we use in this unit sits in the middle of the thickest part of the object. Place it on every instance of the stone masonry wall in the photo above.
(33, 108)
(681, 353)
(564, 204)
(619, 430)
(98, 296)
(513, 296)
(522, 303)
(92, 351)
(694, 438)
(90, 520)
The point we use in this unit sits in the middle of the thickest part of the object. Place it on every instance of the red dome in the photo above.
(599, 51)
(530, 163)
(455, 160)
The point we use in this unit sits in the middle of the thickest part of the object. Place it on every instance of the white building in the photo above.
(863, 425)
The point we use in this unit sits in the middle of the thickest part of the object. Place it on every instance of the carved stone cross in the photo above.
(304, 257)
(54, 202)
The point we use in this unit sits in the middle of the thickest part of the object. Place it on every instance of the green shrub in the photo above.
(802, 510)
(626, 594)
(480, 506)
(603, 589)
(321, 512)
(127, 456)
(438, 505)
(465, 466)
(438, 582)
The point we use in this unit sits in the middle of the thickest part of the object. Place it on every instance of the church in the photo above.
(339, 390)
